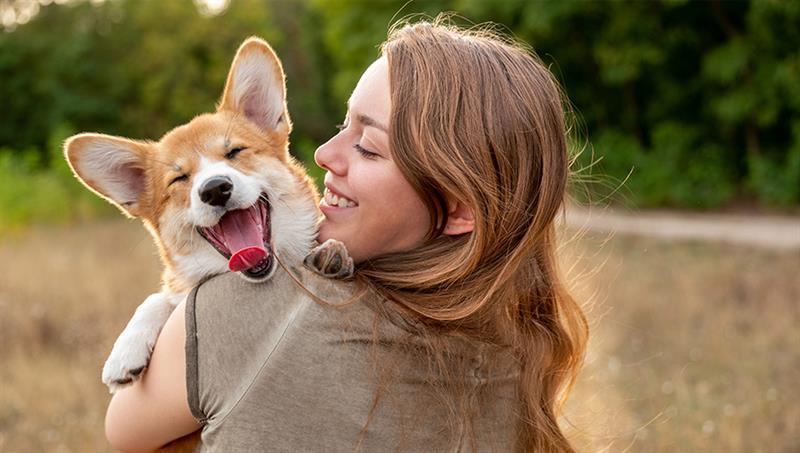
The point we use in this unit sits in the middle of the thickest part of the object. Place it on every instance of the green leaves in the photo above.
(700, 99)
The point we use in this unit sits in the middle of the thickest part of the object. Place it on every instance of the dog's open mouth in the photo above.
(243, 237)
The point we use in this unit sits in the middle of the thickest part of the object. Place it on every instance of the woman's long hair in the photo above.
(479, 119)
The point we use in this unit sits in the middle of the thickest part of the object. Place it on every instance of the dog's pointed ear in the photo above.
(112, 167)
(256, 86)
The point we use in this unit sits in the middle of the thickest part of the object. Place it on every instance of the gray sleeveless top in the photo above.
(270, 369)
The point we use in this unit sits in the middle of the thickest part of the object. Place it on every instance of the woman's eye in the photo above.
(365, 152)
(180, 178)
(341, 127)
(233, 152)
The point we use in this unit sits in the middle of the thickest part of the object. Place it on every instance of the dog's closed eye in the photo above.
(233, 152)
(183, 177)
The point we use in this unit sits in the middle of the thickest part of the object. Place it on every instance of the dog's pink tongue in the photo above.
(244, 239)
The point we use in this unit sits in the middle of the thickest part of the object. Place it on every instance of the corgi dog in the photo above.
(220, 193)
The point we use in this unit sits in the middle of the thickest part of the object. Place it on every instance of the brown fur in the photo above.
(156, 165)
(178, 152)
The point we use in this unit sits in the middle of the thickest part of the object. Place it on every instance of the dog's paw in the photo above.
(127, 361)
(330, 260)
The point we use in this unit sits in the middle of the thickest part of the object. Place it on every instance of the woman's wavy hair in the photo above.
(478, 118)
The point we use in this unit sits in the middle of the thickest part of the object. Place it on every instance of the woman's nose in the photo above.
(329, 157)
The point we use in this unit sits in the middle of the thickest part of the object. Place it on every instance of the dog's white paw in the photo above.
(131, 352)
(129, 358)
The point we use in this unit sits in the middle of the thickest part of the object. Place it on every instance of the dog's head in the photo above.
(218, 193)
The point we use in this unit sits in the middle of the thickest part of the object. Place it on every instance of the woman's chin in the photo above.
(325, 231)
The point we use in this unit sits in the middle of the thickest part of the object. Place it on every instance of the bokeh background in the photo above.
(687, 109)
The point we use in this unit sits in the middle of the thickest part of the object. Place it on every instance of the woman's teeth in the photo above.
(332, 199)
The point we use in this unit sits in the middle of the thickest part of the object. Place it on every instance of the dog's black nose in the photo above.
(216, 191)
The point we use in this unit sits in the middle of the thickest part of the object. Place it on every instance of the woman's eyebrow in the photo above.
(369, 121)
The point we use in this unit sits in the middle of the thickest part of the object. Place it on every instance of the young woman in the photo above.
(453, 159)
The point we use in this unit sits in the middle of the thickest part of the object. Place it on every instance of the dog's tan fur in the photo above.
(158, 182)
(155, 181)
(178, 153)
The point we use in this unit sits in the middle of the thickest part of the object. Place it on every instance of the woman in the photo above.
(454, 155)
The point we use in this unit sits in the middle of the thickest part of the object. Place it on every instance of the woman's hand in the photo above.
(155, 410)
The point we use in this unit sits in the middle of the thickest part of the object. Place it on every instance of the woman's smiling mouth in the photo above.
(332, 199)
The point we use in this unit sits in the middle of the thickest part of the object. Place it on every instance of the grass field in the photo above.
(695, 347)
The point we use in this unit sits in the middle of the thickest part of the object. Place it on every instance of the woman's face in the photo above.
(368, 204)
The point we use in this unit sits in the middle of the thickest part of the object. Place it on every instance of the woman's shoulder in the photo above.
(229, 312)
(231, 295)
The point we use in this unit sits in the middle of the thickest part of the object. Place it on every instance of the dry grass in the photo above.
(695, 347)
(65, 294)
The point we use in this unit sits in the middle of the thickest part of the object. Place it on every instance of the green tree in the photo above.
(698, 101)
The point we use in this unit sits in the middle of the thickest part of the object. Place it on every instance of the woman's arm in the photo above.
(155, 410)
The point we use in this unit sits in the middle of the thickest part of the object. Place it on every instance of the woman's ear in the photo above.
(460, 218)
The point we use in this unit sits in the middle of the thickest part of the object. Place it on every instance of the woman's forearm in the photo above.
(154, 410)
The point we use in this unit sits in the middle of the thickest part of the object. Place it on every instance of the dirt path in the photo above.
(763, 231)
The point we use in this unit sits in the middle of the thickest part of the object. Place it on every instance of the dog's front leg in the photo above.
(131, 352)
(331, 260)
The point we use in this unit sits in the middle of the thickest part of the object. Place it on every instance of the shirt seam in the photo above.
(192, 366)
(261, 368)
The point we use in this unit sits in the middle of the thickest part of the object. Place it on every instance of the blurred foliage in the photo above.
(692, 104)
(38, 188)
